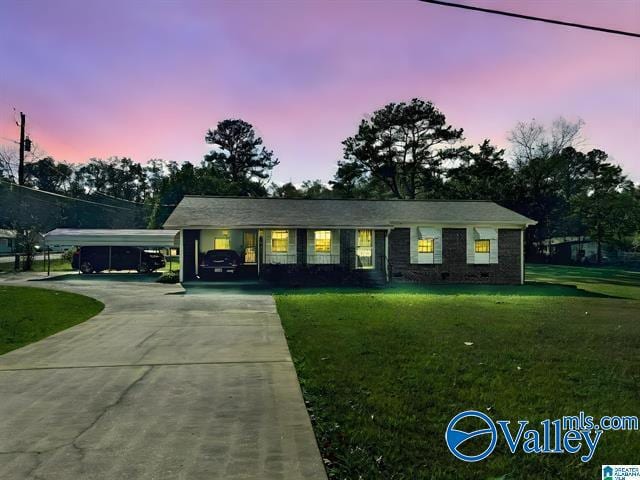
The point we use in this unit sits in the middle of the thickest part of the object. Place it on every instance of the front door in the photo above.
(250, 247)
(364, 249)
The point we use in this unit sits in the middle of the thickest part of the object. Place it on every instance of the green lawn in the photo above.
(175, 266)
(57, 265)
(60, 265)
(616, 282)
(30, 314)
(384, 372)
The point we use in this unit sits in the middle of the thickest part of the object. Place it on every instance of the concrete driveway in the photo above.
(161, 386)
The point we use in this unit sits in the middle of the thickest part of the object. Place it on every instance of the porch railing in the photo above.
(334, 267)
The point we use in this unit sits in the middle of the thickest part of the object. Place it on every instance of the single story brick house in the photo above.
(302, 240)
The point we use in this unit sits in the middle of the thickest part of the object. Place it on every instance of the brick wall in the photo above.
(454, 267)
(347, 249)
(301, 246)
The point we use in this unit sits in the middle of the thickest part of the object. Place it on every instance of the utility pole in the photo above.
(21, 164)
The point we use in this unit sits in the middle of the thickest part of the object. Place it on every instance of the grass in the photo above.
(612, 281)
(175, 266)
(39, 265)
(30, 314)
(383, 372)
(60, 265)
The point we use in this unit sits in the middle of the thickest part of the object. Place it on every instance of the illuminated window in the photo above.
(221, 243)
(364, 238)
(425, 245)
(323, 241)
(364, 249)
(483, 246)
(280, 241)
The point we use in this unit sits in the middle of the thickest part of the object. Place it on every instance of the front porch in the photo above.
(297, 256)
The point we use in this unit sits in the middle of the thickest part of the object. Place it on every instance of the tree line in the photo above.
(404, 150)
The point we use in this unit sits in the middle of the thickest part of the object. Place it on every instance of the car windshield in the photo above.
(221, 254)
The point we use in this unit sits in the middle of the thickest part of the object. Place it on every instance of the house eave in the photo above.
(375, 226)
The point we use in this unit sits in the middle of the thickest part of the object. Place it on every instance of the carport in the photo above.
(142, 239)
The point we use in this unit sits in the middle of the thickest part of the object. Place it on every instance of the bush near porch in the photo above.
(383, 372)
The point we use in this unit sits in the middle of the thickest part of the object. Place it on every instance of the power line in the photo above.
(61, 196)
(530, 17)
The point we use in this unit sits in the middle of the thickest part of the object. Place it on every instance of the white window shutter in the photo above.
(413, 245)
(471, 246)
(437, 247)
(335, 246)
(493, 250)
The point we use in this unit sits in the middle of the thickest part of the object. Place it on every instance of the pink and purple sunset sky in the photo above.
(146, 79)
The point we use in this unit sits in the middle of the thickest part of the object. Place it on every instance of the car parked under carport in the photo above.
(114, 249)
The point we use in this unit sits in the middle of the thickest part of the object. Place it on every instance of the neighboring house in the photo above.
(575, 249)
(7, 241)
(301, 240)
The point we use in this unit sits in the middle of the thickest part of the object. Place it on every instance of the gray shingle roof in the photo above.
(238, 212)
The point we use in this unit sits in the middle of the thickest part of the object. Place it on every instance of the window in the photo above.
(364, 238)
(425, 245)
(322, 241)
(280, 241)
(364, 249)
(483, 246)
(221, 243)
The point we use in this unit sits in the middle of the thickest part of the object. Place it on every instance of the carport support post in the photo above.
(140, 259)
(181, 275)
(109, 258)
(79, 259)
(197, 254)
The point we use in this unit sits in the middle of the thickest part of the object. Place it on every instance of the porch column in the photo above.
(522, 256)
(386, 255)
(258, 251)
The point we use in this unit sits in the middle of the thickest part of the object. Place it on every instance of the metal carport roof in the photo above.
(112, 237)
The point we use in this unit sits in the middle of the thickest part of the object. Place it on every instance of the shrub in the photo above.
(67, 255)
(169, 277)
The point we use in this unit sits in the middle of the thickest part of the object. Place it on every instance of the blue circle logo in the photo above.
(455, 438)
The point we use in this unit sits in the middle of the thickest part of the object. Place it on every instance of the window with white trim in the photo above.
(425, 245)
(483, 246)
(280, 241)
(221, 243)
(364, 249)
(322, 241)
